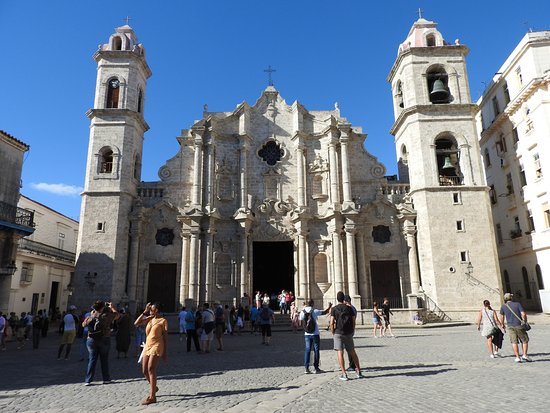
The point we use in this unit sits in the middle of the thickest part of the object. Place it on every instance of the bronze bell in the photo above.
(448, 164)
(439, 92)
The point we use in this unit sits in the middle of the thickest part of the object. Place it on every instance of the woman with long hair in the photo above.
(155, 346)
(377, 316)
(490, 327)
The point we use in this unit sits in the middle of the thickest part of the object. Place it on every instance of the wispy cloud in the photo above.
(58, 189)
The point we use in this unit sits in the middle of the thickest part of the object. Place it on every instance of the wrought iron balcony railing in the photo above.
(15, 215)
(46, 250)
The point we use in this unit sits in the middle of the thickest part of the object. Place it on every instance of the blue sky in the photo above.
(214, 52)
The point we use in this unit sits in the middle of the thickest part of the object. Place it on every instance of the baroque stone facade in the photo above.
(274, 196)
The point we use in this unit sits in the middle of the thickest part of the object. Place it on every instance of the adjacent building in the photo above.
(273, 195)
(45, 261)
(514, 123)
(15, 222)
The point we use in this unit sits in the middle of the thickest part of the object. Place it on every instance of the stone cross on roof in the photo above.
(269, 71)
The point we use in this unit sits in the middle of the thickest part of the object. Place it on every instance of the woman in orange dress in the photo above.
(155, 346)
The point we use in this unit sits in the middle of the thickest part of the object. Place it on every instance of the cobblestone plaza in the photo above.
(423, 369)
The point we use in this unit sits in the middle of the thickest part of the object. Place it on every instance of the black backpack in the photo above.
(198, 320)
(95, 328)
(264, 314)
(344, 320)
(309, 322)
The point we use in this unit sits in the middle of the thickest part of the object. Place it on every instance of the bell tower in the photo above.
(113, 168)
(438, 154)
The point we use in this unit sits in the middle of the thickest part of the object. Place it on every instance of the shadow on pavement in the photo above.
(204, 395)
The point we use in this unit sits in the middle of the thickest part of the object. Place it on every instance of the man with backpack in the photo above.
(267, 317)
(308, 317)
(342, 326)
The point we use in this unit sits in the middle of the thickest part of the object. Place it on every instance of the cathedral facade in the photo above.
(274, 196)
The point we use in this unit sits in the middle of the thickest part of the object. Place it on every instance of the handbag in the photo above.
(495, 329)
(524, 324)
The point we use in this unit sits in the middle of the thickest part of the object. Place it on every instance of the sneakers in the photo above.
(517, 360)
(360, 375)
(344, 377)
(350, 369)
(307, 371)
(492, 356)
(87, 383)
(525, 358)
(319, 371)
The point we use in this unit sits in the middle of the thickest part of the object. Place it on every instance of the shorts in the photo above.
(343, 341)
(518, 334)
(220, 328)
(266, 330)
(68, 337)
(205, 336)
(376, 320)
(182, 328)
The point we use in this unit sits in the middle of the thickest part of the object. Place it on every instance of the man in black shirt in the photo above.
(386, 310)
(342, 326)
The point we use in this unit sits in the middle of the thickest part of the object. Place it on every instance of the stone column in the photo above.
(302, 264)
(243, 172)
(337, 260)
(333, 168)
(197, 172)
(346, 183)
(301, 182)
(133, 262)
(410, 235)
(184, 266)
(211, 157)
(194, 265)
(243, 273)
(364, 284)
(209, 237)
(351, 261)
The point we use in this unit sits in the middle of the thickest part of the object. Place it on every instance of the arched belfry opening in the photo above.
(448, 161)
(430, 40)
(117, 43)
(113, 92)
(438, 85)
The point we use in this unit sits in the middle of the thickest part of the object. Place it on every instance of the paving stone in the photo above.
(438, 369)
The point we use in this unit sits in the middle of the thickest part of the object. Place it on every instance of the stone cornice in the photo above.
(470, 108)
(450, 50)
(110, 55)
(117, 113)
(16, 143)
(516, 104)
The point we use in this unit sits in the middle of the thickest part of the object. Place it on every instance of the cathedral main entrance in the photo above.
(162, 286)
(385, 282)
(273, 266)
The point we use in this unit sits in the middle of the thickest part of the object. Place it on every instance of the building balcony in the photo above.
(16, 219)
(46, 250)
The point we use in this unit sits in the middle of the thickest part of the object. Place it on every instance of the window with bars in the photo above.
(27, 269)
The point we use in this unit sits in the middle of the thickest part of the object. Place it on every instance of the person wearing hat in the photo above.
(69, 332)
(515, 318)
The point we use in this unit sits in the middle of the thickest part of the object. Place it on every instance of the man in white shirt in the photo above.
(69, 332)
(309, 316)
